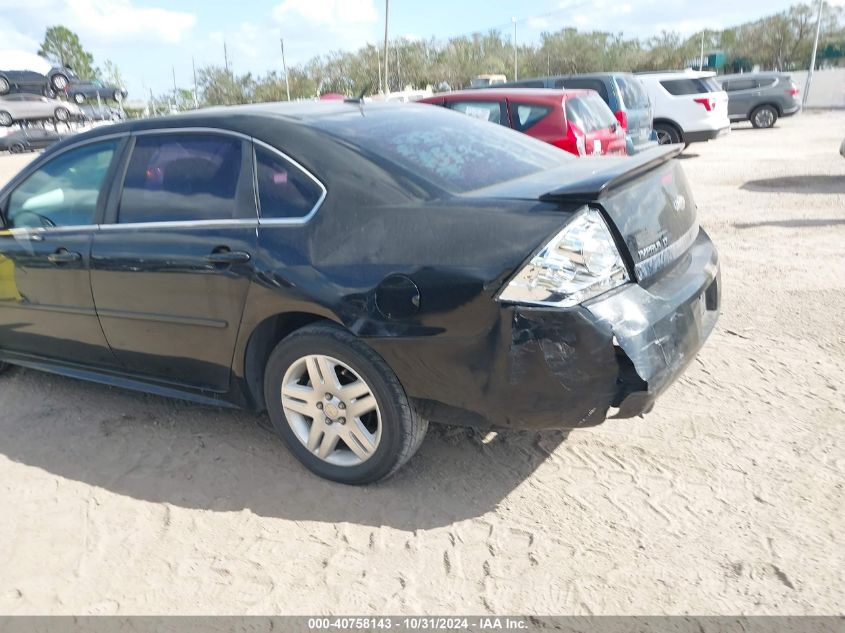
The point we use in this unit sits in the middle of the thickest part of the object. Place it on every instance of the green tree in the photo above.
(219, 86)
(62, 47)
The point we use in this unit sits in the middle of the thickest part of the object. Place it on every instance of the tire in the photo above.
(79, 98)
(4, 85)
(17, 148)
(764, 117)
(5, 118)
(4, 367)
(62, 114)
(667, 134)
(394, 430)
(118, 96)
(58, 82)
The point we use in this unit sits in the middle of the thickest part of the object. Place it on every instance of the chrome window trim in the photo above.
(192, 130)
(48, 230)
(77, 145)
(228, 223)
(178, 224)
(287, 221)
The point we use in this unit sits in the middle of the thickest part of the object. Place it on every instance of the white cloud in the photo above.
(331, 13)
(97, 21)
(117, 19)
(13, 39)
(313, 27)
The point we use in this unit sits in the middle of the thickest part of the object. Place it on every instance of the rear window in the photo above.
(528, 83)
(589, 113)
(691, 86)
(633, 94)
(526, 115)
(583, 83)
(457, 154)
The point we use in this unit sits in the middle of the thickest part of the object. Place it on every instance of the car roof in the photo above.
(771, 73)
(676, 74)
(490, 94)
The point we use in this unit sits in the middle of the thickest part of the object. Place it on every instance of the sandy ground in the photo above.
(728, 498)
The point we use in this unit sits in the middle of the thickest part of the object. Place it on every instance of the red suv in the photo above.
(577, 121)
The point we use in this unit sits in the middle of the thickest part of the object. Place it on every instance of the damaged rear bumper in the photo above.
(621, 350)
(542, 368)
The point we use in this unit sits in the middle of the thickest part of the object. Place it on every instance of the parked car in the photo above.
(101, 112)
(81, 90)
(577, 121)
(689, 106)
(760, 97)
(622, 92)
(28, 107)
(485, 81)
(357, 269)
(28, 139)
(26, 72)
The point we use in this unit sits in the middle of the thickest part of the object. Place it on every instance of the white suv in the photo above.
(689, 106)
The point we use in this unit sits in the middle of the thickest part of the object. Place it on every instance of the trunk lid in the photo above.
(646, 197)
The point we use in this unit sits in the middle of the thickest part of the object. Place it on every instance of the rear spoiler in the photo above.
(614, 175)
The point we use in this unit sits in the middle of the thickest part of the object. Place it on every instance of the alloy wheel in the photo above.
(5, 119)
(331, 410)
(17, 148)
(60, 82)
(4, 86)
(663, 137)
(764, 118)
(62, 114)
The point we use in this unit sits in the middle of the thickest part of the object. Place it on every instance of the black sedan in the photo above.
(356, 270)
(28, 139)
(82, 90)
(49, 84)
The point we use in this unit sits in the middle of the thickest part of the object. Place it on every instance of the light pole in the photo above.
(386, 56)
(813, 57)
(285, 67)
(515, 54)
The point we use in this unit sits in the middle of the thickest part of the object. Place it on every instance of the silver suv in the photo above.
(760, 97)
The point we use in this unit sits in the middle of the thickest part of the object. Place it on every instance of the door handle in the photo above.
(63, 256)
(228, 257)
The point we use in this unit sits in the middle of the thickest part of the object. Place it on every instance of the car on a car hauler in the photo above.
(357, 270)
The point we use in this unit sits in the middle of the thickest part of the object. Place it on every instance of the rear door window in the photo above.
(284, 190)
(492, 111)
(690, 86)
(735, 85)
(181, 177)
(527, 115)
(633, 94)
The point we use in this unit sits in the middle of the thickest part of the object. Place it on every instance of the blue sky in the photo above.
(146, 38)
